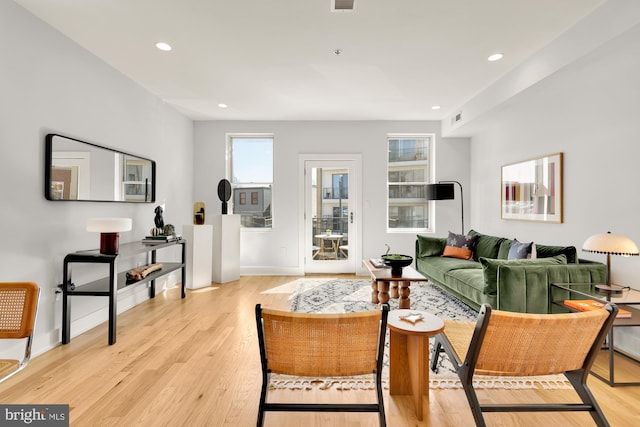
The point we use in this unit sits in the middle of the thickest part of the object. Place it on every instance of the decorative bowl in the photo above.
(397, 262)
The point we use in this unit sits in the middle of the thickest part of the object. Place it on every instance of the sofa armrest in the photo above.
(526, 288)
(429, 246)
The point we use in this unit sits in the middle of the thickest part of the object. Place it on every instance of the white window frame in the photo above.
(229, 173)
(429, 178)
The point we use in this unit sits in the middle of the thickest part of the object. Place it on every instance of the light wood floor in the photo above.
(195, 362)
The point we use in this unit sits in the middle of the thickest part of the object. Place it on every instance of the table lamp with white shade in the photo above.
(610, 244)
(109, 229)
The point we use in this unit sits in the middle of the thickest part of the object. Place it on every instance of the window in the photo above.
(251, 171)
(408, 171)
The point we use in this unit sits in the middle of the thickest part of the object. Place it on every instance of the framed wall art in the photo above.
(532, 190)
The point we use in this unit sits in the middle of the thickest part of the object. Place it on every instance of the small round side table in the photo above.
(409, 354)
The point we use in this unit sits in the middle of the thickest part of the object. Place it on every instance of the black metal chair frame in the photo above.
(577, 378)
(324, 407)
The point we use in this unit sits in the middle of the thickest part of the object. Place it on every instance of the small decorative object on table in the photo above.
(328, 231)
(169, 230)
(378, 263)
(224, 194)
(140, 273)
(396, 262)
(159, 221)
(198, 213)
(412, 317)
(161, 239)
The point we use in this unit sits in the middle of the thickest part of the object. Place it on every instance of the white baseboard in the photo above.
(271, 271)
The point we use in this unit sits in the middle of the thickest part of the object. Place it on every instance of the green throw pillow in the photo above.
(486, 246)
(505, 247)
(490, 267)
(429, 246)
(544, 251)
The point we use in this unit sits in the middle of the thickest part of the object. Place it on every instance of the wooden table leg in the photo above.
(404, 301)
(418, 358)
(374, 292)
(383, 292)
(394, 290)
(409, 368)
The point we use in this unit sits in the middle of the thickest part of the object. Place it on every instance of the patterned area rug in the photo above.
(347, 295)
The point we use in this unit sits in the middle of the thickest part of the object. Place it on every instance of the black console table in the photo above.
(116, 281)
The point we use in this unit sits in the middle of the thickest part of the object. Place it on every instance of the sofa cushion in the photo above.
(429, 246)
(459, 246)
(486, 246)
(521, 250)
(436, 268)
(490, 267)
(543, 251)
(503, 251)
(464, 280)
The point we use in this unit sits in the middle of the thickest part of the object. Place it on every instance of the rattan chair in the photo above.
(321, 345)
(18, 306)
(520, 344)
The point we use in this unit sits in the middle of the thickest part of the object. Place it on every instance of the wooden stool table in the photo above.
(409, 354)
(382, 282)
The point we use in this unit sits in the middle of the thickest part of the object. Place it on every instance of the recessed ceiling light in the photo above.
(435, 107)
(163, 46)
(222, 105)
(495, 57)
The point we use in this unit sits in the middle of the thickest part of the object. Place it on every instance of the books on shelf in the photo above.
(160, 239)
(589, 304)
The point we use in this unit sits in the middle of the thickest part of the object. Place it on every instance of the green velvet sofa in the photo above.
(521, 285)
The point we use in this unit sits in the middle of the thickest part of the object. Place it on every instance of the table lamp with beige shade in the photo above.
(610, 244)
(109, 229)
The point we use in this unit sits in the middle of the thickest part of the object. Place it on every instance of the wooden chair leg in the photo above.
(466, 377)
(263, 400)
(577, 379)
(381, 415)
(435, 354)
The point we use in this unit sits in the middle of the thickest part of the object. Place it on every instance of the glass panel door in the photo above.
(329, 217)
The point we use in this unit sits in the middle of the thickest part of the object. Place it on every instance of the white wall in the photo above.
(50, 84)
(368, 138)
(589, 111)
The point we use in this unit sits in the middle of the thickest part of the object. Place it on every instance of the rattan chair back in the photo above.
(18, 307)
(321, 345)
(524, 344)
(519, 344)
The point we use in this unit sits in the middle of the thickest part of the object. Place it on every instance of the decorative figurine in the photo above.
(224, 193)
(198, 213)
(159, 221)
(169, 230)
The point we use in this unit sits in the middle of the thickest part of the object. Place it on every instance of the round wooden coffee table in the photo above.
(409, 354)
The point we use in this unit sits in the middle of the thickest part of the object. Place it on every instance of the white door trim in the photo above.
(357, 202)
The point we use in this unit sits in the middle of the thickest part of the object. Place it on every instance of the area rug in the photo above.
(348, 295)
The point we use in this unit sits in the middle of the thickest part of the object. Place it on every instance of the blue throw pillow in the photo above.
(519, 250)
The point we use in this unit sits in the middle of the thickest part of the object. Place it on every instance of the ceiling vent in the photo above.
(343, 5)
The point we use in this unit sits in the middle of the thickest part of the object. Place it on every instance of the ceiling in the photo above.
(275, 59)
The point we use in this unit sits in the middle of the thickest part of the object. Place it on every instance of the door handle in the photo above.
(351, 217)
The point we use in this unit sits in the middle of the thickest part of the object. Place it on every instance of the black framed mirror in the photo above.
(77, 170)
